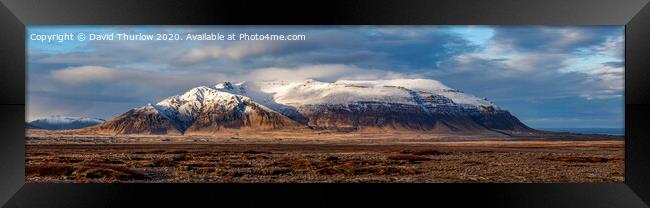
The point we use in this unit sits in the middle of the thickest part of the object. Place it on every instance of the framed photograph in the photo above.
(163, 103)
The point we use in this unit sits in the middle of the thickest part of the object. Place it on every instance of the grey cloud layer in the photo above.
(525, 69)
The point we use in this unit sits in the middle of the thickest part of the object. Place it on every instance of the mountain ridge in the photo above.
(344, 105)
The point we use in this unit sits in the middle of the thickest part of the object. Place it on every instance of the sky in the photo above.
(547, 76)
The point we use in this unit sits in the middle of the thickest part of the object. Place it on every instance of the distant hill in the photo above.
(63, 123)
(29, 126)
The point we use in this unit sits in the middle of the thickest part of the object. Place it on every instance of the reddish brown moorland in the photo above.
(280, 161)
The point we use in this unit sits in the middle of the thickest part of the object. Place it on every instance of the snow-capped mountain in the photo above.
(58, 122)
(210, 109)
(199, 110)
(345, 105)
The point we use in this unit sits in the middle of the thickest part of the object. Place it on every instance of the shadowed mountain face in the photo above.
(403, 104)
(408, 117)
(391, 116)
(499, 120)
(143, 120)
(247, 114)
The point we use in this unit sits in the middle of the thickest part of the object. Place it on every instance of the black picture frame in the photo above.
(15, 15)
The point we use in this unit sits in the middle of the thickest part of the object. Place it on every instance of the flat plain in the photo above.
(196, 159)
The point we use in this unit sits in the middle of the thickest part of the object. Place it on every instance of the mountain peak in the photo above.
(236, 88)
(147, 108)
(225, 85)
(200, 95)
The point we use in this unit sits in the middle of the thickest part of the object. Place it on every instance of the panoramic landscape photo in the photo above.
(324, 104)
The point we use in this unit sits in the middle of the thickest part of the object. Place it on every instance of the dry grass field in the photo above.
(235, 160)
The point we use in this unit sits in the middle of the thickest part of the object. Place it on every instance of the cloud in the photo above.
(236, 51)
(329, 72)
(132, 82)
(550, 39)
(510, 67)
(92, 73)
(114, 53)
(534, 71)
(613, 46)
(389, 47)
(532, 77)
(608, 79)
(542, 63)
(618, 64)
(394, 47)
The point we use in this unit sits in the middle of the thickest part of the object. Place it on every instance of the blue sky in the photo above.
(547, 76)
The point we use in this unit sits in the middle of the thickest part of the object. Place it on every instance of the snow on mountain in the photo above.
(286, 96)
(258, 93)
(58, 122)
(222, 98)
(197, 97)
(184, 108)
(312, 92)
(148, 108)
